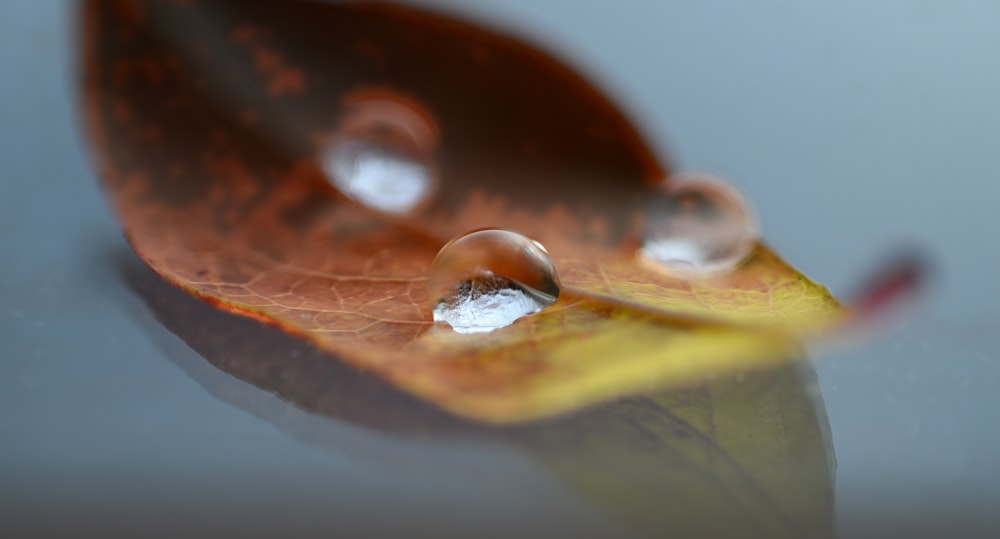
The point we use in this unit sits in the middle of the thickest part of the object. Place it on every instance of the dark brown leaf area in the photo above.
(253, 88)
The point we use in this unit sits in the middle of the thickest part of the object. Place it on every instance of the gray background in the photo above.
(854, 126)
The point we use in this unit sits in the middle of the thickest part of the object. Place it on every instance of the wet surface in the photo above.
(851, 128)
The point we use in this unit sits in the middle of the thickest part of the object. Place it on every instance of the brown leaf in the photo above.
(211, 122)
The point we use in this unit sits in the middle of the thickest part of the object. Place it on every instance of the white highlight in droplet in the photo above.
(487, 310)
(377, 178)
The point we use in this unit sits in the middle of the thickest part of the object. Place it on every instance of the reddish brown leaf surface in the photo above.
(209, 120)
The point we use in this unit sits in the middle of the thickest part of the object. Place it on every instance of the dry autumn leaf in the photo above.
(219, 128)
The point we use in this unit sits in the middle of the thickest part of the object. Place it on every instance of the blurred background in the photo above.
(855, 127)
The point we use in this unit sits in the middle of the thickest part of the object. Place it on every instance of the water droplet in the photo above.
(699, 224)
(383, 155)
(487, 279)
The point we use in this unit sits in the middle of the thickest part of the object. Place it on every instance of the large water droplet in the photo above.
(698, 224)
(487, 279)
(383, 155)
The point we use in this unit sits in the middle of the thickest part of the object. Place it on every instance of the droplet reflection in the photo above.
(487, 279)
(383, 155)
(699, 224)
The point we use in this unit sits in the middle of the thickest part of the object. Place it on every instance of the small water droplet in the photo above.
(699, 224)
(383, 155)
(487, 279)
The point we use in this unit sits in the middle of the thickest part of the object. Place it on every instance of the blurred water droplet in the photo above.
(487, 279)
(698, 224)
(384, 152)
(376, 177)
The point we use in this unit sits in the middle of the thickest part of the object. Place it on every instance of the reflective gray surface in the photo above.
(853, 127)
